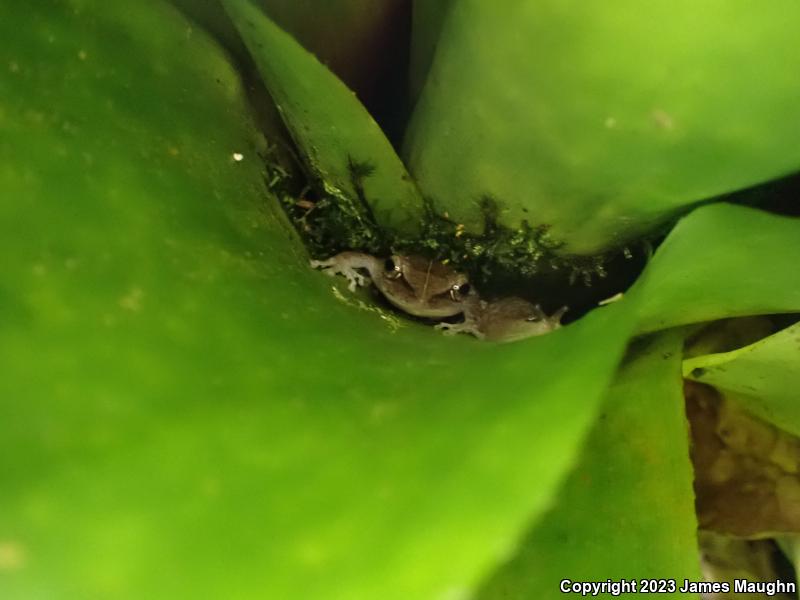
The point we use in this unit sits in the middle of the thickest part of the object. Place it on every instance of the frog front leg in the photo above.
(349, 264)
(471, 323)
(470, 327)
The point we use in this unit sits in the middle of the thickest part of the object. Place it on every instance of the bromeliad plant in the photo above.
(190, 411)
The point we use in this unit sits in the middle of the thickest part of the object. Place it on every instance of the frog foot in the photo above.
(468, 326)
(333, 268)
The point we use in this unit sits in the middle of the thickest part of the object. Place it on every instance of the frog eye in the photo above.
(392, 269)
(539, 316)
(459, 291)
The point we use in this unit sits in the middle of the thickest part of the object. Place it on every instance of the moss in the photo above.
(331, 222)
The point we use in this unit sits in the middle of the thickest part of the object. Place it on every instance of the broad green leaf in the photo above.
(331, 128)
(627, 509)
(190, 410)
(721, 261)
(603, 121)
(764, 376)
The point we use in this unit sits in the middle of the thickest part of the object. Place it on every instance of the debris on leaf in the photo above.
(747, 472)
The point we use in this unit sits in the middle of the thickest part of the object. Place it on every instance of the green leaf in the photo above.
(341, 144)
(627, 509)
(721, 261)
(603, 121)
(763, 377)
(192, 412)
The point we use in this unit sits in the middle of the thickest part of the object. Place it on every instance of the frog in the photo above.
(431, 289)
(414, 284)
(504, 320)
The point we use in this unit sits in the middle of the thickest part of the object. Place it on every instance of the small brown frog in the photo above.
(504, 320)
(431, 289)
(416, 285)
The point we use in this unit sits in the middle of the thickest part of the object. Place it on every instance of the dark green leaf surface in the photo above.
(332, 129)
(428, 20)
(764, 377)
(627, 510)
(602, 120)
